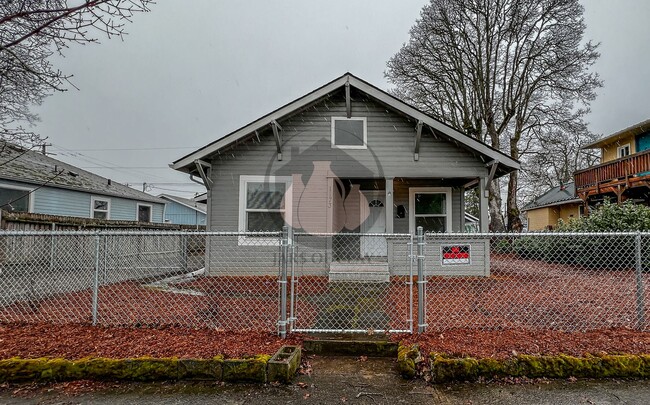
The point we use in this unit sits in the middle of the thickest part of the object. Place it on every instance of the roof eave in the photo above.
(506, 163)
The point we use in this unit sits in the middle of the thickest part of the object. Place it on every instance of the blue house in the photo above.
(33, 182)
(183, 211)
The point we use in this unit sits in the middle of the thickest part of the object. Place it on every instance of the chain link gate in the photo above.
(348, 283)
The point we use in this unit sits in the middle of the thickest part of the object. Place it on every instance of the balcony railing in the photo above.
(632, 165)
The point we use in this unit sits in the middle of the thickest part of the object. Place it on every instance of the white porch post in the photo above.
(389, 204)
(483, 204)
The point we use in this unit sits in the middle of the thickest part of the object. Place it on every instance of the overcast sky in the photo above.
(189, 72)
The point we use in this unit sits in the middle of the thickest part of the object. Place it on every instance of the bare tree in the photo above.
(31, 32)
(556, 153)
(499, 70)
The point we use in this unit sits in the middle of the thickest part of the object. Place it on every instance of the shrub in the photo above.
(611, 218)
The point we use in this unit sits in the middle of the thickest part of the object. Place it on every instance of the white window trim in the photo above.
(432, 190)
(365, 132)
(137, 211)
(92, 206)
(30, 199)
(288, 206)
(622, 148)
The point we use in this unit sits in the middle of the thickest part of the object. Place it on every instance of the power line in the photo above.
(127, 149)
(95, 160)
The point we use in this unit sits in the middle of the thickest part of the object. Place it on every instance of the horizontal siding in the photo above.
(56, 201)
(307, 139)
(180, 214)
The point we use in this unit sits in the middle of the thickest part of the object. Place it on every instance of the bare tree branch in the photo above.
(508, 72)
(30, 33)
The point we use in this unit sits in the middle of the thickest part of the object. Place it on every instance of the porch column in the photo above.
(483, 204)
(389, 204)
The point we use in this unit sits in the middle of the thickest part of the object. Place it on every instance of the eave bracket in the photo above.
(278, 137)
(200, 164)
(348, 102)
(418, 136)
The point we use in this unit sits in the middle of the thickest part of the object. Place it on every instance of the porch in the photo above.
(624, 178)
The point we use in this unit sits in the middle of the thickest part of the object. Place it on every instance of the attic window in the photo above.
(349, 133)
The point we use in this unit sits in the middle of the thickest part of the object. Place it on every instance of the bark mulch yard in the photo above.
(78, 341)
(501, 344)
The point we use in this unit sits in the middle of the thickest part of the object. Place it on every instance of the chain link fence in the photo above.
(351, 282)
(570, 282)
(283, 282)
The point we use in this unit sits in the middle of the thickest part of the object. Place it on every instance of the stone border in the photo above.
(254, 369)
(444, 368)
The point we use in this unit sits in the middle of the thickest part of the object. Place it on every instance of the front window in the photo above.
(430, 209)
(624, 150)
(264, 203)
(349, 133)
(144, 213)
(100, 208)
(14, 199)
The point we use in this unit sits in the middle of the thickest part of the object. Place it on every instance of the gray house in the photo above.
(346, 157)
(33, 182)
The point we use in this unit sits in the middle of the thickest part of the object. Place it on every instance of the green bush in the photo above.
(611, 218)
(593, 251)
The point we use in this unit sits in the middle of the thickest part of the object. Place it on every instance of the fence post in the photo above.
(284, 262)
(52, 248)
(184, 246)
(96, 279)
(422, 314)
(292, 293)
(640, 290)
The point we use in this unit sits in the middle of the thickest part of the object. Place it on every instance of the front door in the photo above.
(373, 220)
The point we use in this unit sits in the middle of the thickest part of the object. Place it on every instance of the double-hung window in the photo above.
(430, 208)
(264, 203)
(100, 208)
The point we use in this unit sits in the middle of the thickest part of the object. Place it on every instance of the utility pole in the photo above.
(44, 148)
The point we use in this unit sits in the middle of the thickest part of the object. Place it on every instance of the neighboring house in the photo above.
(33, 182)
(346, 157)
(624, 171)
(183, 211)
(545, 211)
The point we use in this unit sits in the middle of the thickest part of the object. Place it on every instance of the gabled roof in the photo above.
(506, 163)
(634, 130)
(30, 167)
(196, 206)
(556, 196)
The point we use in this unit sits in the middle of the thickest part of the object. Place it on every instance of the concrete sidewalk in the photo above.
(345, 380)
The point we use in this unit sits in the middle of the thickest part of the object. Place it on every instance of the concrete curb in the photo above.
(254, 369)
(444, 368)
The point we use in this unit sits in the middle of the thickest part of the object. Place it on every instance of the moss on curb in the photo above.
(139, 369)
(407, 356)
(246, 370)
(445, 368)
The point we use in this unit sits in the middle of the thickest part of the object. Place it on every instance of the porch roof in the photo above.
(505, 163)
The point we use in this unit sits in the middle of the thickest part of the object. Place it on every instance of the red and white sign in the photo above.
(455, 254)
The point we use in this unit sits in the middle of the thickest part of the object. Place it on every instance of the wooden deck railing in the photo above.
(612, 170)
